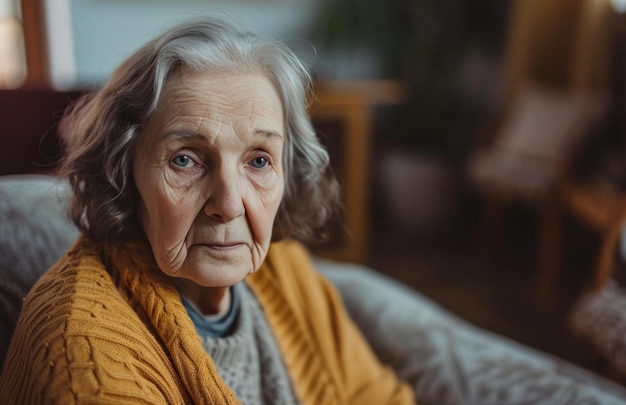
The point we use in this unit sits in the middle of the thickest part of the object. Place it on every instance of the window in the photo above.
(12, 55)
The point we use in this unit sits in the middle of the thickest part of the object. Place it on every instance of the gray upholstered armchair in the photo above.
(445, 359)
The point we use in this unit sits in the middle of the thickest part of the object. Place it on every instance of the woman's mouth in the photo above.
(223, 246)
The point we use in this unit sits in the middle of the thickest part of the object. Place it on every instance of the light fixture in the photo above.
(619, 5)
(12, 58)
(12, 62)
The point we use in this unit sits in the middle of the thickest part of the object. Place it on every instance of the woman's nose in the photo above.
(225, 203)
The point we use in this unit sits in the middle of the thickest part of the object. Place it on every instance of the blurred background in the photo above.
(480, 143)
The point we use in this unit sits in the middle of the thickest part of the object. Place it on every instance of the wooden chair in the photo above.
(599, 314)
(555, 94)
(595, 203)
(598, 206)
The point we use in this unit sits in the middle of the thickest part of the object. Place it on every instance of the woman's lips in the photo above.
(223, 246)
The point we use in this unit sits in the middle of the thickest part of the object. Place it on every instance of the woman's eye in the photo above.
(183, 161)
(259, 162)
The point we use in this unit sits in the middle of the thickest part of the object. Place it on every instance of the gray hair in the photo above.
(102, 128)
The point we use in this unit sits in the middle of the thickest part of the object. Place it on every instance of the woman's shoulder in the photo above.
(77, 278)
(76, 296)
(77, 323)
(79, 295)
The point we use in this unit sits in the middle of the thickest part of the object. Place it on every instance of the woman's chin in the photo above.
(217, 267)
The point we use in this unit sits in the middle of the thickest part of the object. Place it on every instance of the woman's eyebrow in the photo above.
(268, 133)
(197, 137)
(180, 135)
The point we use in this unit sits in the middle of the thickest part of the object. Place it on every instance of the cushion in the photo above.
(447, 360)
(35, 232)
(547, 123)
(600, 318)
(542, 130)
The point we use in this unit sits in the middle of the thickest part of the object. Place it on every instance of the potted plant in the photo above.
(435, 48)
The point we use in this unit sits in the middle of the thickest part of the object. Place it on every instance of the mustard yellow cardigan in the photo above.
(88, 335)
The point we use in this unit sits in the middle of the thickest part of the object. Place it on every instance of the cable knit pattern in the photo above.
(120, 337)
(71, 344)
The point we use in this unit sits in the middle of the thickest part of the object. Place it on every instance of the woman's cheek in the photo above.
(271, 202)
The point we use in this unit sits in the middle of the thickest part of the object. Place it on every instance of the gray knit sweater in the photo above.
(247, 357)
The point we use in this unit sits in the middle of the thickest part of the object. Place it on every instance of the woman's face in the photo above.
(209, 173)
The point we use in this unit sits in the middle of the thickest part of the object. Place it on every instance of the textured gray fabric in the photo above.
(34, 232)
(600, 318)
(448, 361)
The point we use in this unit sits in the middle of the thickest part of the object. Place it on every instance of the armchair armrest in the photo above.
(449, 361)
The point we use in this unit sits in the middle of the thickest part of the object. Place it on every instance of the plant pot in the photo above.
(418, 191)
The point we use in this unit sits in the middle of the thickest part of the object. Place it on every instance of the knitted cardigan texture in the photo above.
(105, 326)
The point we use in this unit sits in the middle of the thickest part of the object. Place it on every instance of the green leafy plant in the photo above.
(422, 43)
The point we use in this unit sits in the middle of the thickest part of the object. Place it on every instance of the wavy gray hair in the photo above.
(101, 129)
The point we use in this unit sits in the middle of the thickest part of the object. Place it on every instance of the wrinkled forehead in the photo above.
(248, 100)
(196, 86)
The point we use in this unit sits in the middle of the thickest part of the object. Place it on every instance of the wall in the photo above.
(102, 33)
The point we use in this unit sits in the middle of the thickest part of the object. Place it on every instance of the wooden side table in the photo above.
(347, 107)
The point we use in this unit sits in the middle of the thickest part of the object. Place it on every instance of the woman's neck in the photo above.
(208, 300)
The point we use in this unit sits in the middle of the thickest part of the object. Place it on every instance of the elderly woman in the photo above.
(190, 169)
